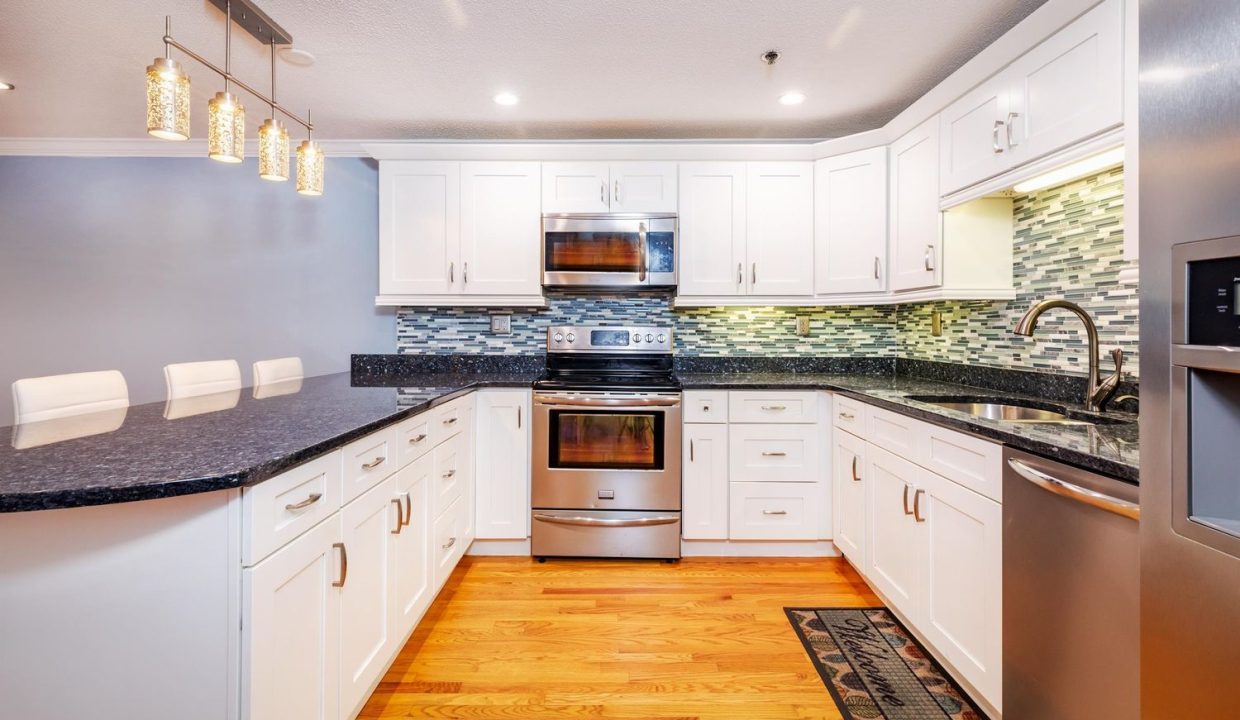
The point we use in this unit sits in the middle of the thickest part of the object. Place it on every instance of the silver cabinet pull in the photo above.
(408, 509)
(344, 565)
(1075, 492)
(374, 463)
(994, 140)
(774, 512)
(465, 273)
(774, 407)
(929, 257)
(617, 193)
(906, 510)
(450, 543)
(641, 241)
(518, 417)
(774, 453)
(753, 275)
(451, 273)
(608, 522)
(917, 505)
(847, 416)
(602, 192)
(740, 274)
(856, 477)
(690, 449)
(400, 520)
(450, 421)
(312, 499)
(1011, 116)
(877, 269)
(417, 439)
(451, 473)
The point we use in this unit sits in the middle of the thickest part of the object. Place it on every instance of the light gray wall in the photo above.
(133, 263)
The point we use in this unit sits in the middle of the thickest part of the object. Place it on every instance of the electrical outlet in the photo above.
(936, 323)
(501, 324)
(803, 325)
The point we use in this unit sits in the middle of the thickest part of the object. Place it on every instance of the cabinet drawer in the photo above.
(448, 419)
(775, 453)
(413, 438)
(774, 511)
(368, 461)
(448, 475)
(969, 461)
(706, 406)
(893, 432)
(756, 406)
(278, 510)
(848, 414)
(448, 542)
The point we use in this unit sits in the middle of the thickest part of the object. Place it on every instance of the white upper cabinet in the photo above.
(780, 233)
(500, 228)
(1069, 87)
(915, 218)
(600, 187)
(850, 222)
(503, 461)
(975, 142)
(712, 228)
(419, 227)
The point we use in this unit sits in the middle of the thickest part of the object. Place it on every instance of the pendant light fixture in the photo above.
(273, 138)
(225, 113)
(167, 96)
(309, 165)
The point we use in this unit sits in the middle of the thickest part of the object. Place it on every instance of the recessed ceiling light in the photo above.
(6, 86)
(296, 56)
(506, 98)
(791, 98)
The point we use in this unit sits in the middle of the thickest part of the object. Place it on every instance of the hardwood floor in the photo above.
(705, 638)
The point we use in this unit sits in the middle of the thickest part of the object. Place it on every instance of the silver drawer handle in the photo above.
(344, 565)
(450, 473)
(877, 268)
(294, 507)
(906, 510)
(608, 522)
(1076, 492)
(994, 139)
(847, 416)
(774, 453)
(400, 520)
(917, 505)
(774, 512)
(450, 421)
(450, 543)
(374, 463)
(856, 477)
(774, 407)
(929, 257)
(1011, 116)
(417, 439)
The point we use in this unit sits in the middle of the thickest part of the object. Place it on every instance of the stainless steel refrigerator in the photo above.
(1190, 357)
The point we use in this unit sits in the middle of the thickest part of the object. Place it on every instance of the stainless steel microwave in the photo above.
(609, 251)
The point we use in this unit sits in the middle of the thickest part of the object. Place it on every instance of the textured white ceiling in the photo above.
(412, 69)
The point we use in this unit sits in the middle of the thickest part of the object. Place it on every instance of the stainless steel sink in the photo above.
(1014, 411)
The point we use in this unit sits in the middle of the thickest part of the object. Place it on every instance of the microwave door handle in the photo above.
(641, 241)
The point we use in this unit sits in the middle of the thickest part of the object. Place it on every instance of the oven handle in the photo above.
(608, 522)
(609, 402)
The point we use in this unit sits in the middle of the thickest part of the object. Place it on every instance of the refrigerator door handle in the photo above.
(1068, 490)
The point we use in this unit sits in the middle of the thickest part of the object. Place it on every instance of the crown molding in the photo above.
(146, 147)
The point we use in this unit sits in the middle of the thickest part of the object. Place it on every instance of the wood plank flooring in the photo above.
(702, 639)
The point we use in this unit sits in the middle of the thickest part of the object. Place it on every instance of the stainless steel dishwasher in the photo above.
(1071, 582)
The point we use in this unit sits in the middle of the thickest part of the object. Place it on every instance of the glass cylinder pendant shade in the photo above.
(167, 100)
(272, 150)
(309, 168)
(225, 128)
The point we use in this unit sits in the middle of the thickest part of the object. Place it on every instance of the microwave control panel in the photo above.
(1212, 302)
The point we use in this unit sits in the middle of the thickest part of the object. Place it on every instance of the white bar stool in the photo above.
(202, 378)
(58, 396)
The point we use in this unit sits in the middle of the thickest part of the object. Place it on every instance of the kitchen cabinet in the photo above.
(500, 228)
(503, 465)
(780, 228)
(850, 222)
(419, 227)
(411, 550)
(600, 187)
(774, 511)
(368, 635)
(896, 548)
(712, 228)
(705, 482)
(916, 222)
(774, 452)
(974, 138)
(448, 541)
(291, 632)
(848, 479)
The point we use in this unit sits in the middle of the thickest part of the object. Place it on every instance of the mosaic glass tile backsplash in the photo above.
(1068, 244)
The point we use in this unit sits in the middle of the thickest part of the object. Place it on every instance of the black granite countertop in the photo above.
(234, 441)
(1109, 449)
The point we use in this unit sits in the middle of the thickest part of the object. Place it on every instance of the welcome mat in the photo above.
(875, 669)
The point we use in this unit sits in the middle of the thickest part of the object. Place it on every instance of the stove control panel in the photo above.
(609, 339)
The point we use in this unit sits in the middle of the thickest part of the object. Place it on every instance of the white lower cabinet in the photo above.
(447, 543)
(290, 635)
(704, 482)
(896, 551)
(774, 510)
(849, 481)
(503, 465)
(411, 552)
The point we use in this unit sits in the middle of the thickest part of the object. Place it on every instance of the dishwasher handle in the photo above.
(1075, 492)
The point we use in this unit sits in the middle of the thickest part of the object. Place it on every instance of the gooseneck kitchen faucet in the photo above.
(1097, 390)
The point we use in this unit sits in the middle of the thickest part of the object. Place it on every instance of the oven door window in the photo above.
(611, 251)
(606, 440)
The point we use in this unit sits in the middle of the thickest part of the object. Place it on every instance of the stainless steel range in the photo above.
(606, 476)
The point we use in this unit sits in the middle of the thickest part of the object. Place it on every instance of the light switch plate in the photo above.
(803, 325)
(501, 324)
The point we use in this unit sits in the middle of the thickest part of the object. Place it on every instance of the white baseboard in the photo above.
(758, 548)
(499, 547)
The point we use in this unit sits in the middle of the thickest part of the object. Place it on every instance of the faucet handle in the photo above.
(1117, 355)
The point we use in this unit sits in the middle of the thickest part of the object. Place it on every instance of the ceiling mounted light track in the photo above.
(168, 100)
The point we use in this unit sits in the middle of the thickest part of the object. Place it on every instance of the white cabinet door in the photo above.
(915, 217)
(896, 550)
(419, 227)
(643, 187)
(850, 222)
(974, 136)
(447, 543)
(704, 508)
(575, 187)
(368, 637)
(780, 228)
(712, 228)
(411, 551)
(290, 631)
(963, 589)
(500, 228)
(469, 466)
(1069, 87)
(449, 475)
(503, 465)
(848, 480)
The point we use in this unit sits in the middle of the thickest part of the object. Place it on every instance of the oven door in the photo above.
(607, 251)
(606, 451)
